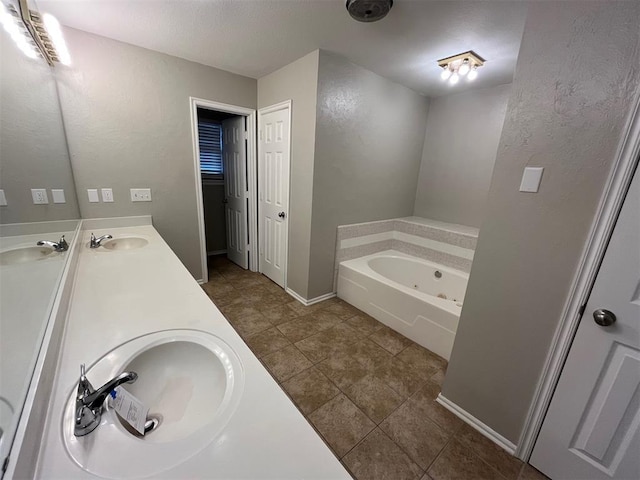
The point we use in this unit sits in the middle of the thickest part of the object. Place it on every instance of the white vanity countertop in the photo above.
(119, 295)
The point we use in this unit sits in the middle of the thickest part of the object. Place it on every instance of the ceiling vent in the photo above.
(368, 10)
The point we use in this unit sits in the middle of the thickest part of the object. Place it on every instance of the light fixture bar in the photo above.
(470, 55)
(461, 65)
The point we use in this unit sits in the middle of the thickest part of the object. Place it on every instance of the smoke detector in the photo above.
(368, 10)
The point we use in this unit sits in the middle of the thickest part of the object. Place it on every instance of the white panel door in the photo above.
(273, 190)
(591, 429)
(234, 152)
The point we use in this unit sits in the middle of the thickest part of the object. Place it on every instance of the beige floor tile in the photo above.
(374, 397)
(341, 424)
(327, 342)
(401, 377)
(234, 311)
(303, 327)
(364, 324)
(422, 358)
(302, 310)
(279, 314)
(343, 369)
(390, 340)
(342, 309)
(530, 473)
(369, 354)
(425, 400)
(419, 437)
(267, 341)
(438, 377)
(378, 458)
(286, 362)
(215, 288)
(310, 390)
(458, 462)
(508, 465)
(250, 324)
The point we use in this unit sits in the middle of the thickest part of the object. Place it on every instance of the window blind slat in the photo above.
(210, 142)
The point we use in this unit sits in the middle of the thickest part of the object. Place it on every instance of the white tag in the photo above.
(129, 408)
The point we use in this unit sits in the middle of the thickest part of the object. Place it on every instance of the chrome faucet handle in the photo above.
(61, 246)
(96, 242)
(89, 401)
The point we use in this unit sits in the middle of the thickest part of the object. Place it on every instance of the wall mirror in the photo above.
(33, 155)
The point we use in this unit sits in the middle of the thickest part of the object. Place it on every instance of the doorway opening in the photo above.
(225, 166)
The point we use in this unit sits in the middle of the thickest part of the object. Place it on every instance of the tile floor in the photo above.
(367, 390)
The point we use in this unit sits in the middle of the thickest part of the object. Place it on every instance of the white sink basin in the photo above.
(24, 255)
(125, 243)
(122, 243)
(190, 380)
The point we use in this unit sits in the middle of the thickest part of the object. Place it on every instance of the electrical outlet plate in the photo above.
(107, 195)
(3, 199)
(39, 196)
(140, 194)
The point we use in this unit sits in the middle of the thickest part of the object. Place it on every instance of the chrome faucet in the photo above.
(89, 401)
(96, 242)
(60, 246)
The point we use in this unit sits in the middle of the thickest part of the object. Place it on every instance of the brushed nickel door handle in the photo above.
(603, 317)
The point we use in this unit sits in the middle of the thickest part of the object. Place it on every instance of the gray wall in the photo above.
(214, 217)
(575, 81)
(128, 122)
(298, 82)
(369, 137)
(33, 149)
(460, 145)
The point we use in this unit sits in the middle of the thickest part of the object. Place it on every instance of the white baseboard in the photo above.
(469, 419)
(200, 281)
(216, 252)
(313, 301)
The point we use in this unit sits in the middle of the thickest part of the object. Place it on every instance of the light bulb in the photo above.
(473, 74)
(464, 68)
(454, 79)
(446, 73)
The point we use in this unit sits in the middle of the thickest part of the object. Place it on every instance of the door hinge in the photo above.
(246, 135)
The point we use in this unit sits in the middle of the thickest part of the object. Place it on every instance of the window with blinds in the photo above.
(210, 140)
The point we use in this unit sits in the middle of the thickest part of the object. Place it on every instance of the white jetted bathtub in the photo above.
(420, 299)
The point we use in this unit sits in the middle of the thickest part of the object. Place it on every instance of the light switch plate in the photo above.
(531, 179)
(39, 196)
(92, 193)
(107, 195)
(57, 194)
(140, 194)
(3, 199)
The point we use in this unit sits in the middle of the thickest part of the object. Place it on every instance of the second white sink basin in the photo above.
(190, 380)
(24, 255)
(125, 243)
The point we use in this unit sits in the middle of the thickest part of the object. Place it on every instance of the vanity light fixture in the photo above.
(462, 65)
(35, 34)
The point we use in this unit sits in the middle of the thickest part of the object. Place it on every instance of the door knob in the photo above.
(281, 215)
(604, 318)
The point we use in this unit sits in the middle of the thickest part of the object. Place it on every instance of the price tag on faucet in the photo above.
(132, 410)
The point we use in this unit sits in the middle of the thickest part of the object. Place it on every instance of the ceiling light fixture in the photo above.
(462, 65)
(34, 34)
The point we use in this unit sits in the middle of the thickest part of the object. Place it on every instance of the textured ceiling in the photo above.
(256, 37)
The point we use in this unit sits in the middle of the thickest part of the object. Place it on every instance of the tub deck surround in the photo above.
(417, 298)
(119, 295)
(444, 243)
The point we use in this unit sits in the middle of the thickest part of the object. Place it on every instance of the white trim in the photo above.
(472, 421)
(313, 301)
(250, 115)
(610, 204)
(274, 108)
(217, 252)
